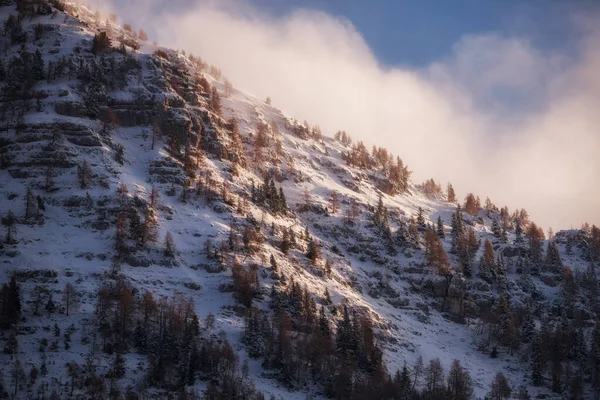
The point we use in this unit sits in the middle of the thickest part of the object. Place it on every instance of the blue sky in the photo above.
(416, 33)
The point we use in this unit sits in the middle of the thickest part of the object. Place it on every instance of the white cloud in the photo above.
(498, 118)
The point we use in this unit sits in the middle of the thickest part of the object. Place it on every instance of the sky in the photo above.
(500, 98)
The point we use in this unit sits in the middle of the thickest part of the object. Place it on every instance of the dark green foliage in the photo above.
(537, 362)
(10, 304)
(267, 196)
(440, 228)
(553, 261)
(38, 68)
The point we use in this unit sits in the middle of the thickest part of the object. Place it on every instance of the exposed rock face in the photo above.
(70, 109)
(129, 115)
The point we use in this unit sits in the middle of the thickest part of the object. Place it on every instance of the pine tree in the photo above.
(595, 357)
(537, 361)
(273, 263)
(440, 228)
(457, 228)
(282, 201)
(421, 219)
(169, 246)
(528, 326)
(285, 242)
(9, 222)
(553, 260)
(31, 205)
(496, 230)
(487, 264)
(215, 101)
(38, 68)
(10, 304)
(518, 232)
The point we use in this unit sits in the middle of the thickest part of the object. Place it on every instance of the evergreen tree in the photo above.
(486, 265)
(38, 68)
(169, 246)
(440, 227)
(31, 205)
(457, 228)
(537, 361)
(10, 304)
(9, 221)
(496, 230)
(273, 263)
(553, 260)
(215, 101)
(518, 232)
(528, 326)
(285, 242)
(595, 357)
(282, 201)
(421, 219)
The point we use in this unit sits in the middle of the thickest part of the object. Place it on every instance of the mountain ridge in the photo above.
(79, 177)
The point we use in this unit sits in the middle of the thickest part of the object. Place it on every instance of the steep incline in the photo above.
(83, 145)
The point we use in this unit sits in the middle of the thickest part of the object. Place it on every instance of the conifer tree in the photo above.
(518, 232)
(537, 361)
(31, 205)
(496, 230)
(421, 219)
(285, 242)
(486, 265)
(440, 228)
(169, 246)
(553, 260)
(273, 263)
(282, 201)
(215, 101)
(527, 326)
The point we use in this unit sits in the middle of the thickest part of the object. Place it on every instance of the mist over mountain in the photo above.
(502, 105)
(197, 218)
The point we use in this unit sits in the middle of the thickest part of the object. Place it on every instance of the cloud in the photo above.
(499, 117)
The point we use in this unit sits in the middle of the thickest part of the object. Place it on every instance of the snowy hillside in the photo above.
(153, 216)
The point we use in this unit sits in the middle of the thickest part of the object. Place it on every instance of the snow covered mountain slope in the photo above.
(128, 167)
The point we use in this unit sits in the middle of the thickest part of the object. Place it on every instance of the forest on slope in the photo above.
(168, 235)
